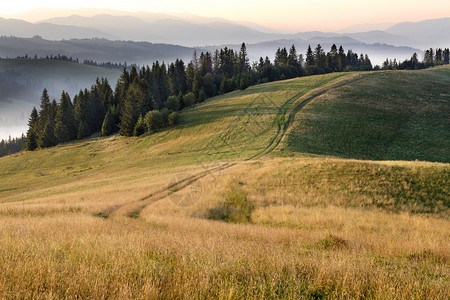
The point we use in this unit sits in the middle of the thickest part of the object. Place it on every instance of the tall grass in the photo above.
(284, 226)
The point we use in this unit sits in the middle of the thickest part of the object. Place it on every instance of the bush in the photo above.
(174, 118)
(242, 85)
(173, 103)
(165, 116)
(236, 208)
(154, 120)
(188, 100)
(201, 96)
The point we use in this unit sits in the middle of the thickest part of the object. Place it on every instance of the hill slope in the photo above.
(385, 116)
(137, 217)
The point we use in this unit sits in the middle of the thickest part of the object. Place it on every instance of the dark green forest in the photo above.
(150, 98)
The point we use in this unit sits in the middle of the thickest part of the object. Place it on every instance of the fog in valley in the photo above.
(23, 80)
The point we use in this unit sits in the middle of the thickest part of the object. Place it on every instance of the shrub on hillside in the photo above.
(174, 117)
(165, 116)
(236, 208)
(188, 100)
(154, 120)
(173, 103)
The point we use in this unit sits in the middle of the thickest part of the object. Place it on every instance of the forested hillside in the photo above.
(160, 90)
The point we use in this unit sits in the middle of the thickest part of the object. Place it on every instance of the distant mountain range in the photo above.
(143, 53)
(99, 50)
(193, 31)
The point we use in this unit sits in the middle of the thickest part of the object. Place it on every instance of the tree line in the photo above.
(431, 58)
(89, 62)
(150, 98)
(11, 145)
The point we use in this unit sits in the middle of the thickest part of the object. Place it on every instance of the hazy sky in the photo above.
(281, 14)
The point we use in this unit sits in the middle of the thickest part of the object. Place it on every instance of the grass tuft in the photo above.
(331, 242)
(236, 207)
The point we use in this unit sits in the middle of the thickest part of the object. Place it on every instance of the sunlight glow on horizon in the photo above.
(284, 15)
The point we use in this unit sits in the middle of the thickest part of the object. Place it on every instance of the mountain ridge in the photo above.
(178, 29)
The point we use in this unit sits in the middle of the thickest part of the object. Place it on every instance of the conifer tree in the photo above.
(47, 138)
(31, 139)
(121, 88)
(53, 110)
(341, 62)
(108, 124)
(333, 59)
(309, 57)
(367, 63)
(82, 114)
(139, 129)
(190, 73)
(128, 116)
(319, 57)
(292, 57)
(45, 112)
(82, 130)
(216, 63)
(244, 64)
(438, 57)
(65, 129)
(446, 55)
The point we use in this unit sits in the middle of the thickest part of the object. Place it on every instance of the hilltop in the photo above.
(254, 194)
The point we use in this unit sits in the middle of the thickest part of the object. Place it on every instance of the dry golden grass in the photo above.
(311, 252)
(107, 219)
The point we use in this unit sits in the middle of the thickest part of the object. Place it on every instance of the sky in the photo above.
(285, 15)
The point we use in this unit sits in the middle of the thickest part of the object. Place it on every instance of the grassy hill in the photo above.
(224, 205)
(383, 116)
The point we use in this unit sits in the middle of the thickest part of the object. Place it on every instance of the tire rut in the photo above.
(133, 209)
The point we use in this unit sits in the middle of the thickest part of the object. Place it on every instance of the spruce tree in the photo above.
(128, 117)
(139, 129)
(341, 62)
(439, 60)
(82, 130)
(47, 138)
(244, 63)
(333, 59)
(31, 142)
(319, 57)
(31, 139)
(446, 56)
(121, 88)
(292, 57)
(309, 56)
(45, 112)
(108, 126)
(65, 129)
